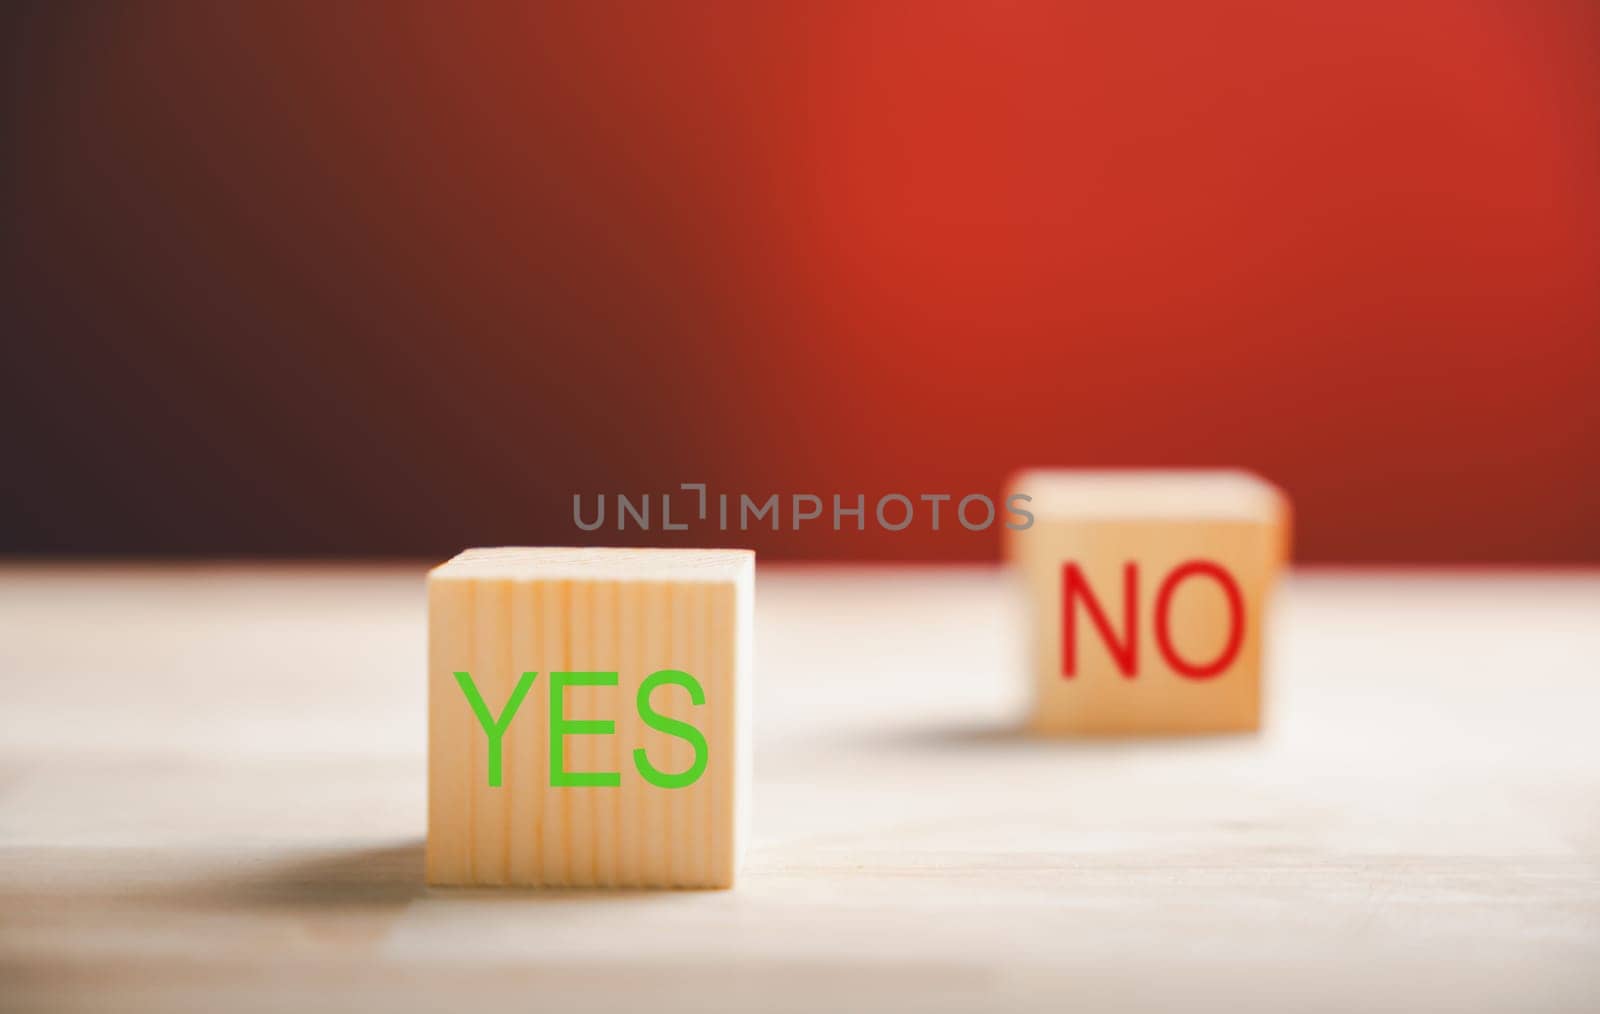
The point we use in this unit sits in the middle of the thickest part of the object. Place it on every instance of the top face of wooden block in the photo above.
(564, 563)
(1154, 495)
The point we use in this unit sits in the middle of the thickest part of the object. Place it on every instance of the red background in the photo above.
(380, 278)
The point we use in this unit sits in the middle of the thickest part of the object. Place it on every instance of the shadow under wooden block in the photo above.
(1148, 597)
(625, 760)
(353, 880)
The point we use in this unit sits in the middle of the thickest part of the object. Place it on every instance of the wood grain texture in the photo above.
(212, 797)
(499, 613)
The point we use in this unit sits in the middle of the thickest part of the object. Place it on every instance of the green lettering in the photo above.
(561, 727)
(672, 727)
(493, 729)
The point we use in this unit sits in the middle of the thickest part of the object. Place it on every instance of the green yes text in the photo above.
(494, 729)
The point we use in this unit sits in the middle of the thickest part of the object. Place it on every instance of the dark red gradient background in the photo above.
(379, 278)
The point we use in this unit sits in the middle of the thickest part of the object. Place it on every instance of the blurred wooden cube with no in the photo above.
(588, 717)
(1148, 597)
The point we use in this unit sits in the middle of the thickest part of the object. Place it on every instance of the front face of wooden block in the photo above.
(593, 816)
(1148, 626)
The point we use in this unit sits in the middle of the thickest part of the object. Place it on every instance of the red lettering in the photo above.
(1230, 650)
(1125, 652)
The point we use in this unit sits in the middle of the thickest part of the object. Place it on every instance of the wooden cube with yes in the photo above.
(1147, 597)
(588, 717)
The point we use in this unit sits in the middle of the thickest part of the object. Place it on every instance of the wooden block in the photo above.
(1147, 595)
(599, 783)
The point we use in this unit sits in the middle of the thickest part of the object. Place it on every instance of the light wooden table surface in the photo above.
(212, 798)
